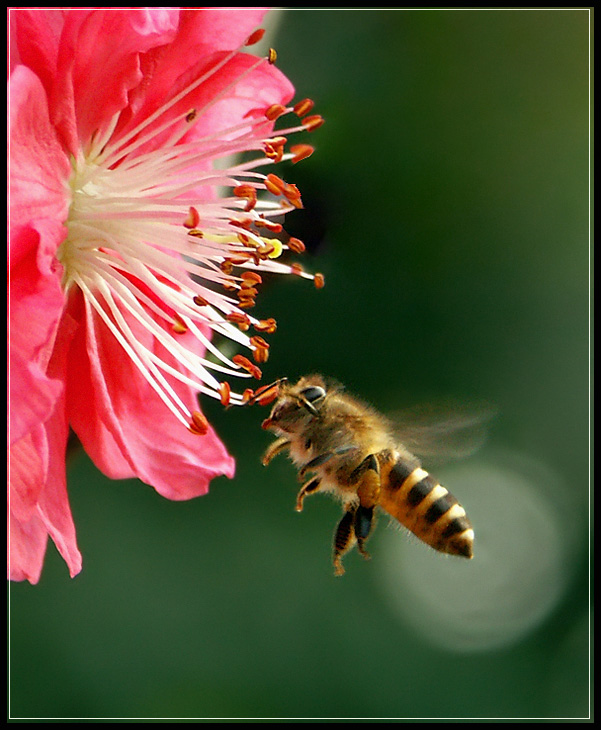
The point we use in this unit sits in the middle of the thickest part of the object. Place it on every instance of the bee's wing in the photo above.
(443, 432)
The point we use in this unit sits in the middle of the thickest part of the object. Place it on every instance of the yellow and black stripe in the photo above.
(416, 499)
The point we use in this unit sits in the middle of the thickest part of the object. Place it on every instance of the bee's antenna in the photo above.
(309, 406)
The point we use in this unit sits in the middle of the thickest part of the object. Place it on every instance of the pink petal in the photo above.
(26, 548)
(28, 471)
(39, 168)
(266, 85)
(254, 92)
(35, 38)
(32, 396)
(38, 502)
(217, 29)
(35, 306)
(53, 505)
(124, 426)
(98, 64)
(201, 32)
(36, 299)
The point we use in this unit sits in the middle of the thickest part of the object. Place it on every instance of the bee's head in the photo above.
(296, 405)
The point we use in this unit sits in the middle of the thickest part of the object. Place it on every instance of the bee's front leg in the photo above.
(274, 449)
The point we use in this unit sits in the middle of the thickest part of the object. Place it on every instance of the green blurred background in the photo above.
(447, 206)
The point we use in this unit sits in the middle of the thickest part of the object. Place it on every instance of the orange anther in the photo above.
(246, 303)
(259, 344)
(257, 341)
(191, 115)
(239, 318)
(319, 281)
(248, 242)
(266, 250)
(296, 245)
(255, 37)
(274, 111)
(274, 148)
(199, 424)
(241, 258)
(249, 366)
(224, 393)
(274, 153)
(192, 219)
(272, 56)
(313, 122)
(301, 152)
(200, 301)
(242, 361)
(291, 192)
(245, 223)
(268, 397)
(178, 326)
(296, 269)
(266, 394)
(270, 225)
(247, 395)
(251, 276)
(276, 141)
(236, 317)
(226, 266)
(268, 326)
(274, 184)
(261, 354)
(247, 291)
(248, 192)
(244, 191)
(196, 233)
(303, 107)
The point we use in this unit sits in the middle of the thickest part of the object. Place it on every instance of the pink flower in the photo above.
(124, 123)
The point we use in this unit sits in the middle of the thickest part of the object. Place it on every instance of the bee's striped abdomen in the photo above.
(429, 510)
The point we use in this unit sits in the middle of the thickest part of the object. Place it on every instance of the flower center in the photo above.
(153, 250)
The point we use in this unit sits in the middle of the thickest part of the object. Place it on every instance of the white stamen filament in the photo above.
(138, 263)
(168, 105)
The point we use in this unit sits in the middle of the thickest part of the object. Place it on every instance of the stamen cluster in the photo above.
(153, 250)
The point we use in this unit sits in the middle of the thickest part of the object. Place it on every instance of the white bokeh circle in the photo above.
(523, 542)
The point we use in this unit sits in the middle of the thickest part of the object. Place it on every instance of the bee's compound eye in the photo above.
(313, 393)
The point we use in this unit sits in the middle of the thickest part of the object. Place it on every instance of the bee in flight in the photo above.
(342, 446)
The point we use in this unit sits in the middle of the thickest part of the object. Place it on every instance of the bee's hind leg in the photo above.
(367, 476)
(362, 525)
(357, 522)
(344, 539)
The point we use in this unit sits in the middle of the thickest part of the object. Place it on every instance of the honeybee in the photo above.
(343, 446)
